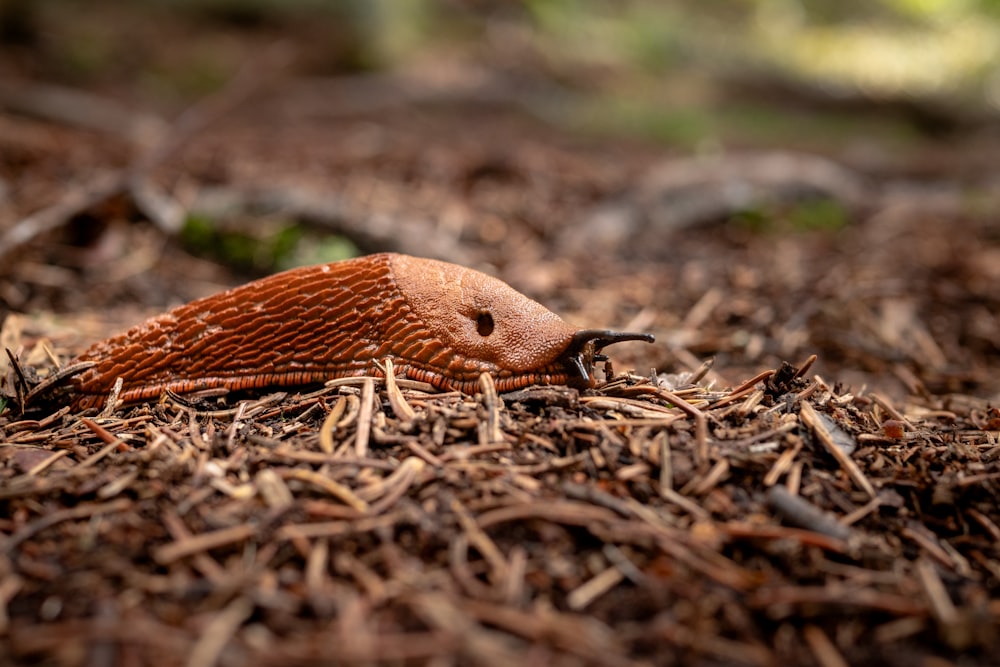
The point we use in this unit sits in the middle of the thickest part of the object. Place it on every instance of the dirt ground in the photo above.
(771, 508)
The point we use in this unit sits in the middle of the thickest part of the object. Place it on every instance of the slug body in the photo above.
(440, 323)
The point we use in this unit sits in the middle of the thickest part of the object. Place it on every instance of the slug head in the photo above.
(479, 317)
(494, 326)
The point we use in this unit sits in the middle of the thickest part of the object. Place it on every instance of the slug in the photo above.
(440, 323)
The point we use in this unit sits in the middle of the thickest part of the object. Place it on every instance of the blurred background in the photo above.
(687, 73)
(753, 180)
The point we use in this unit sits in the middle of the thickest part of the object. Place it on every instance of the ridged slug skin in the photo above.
(439, 322)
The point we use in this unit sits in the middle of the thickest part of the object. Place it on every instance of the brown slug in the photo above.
(440, 323)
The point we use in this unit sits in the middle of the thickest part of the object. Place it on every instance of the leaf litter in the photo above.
(784, 519)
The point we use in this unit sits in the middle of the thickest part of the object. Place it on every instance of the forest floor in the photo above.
(825, 492)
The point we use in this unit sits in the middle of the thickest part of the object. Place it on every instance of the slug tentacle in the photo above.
(586, 345)
(440, 323)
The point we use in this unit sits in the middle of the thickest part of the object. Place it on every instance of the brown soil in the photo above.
(756, 512)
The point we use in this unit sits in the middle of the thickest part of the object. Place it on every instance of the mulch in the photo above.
(830, 511)
(785, 520)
